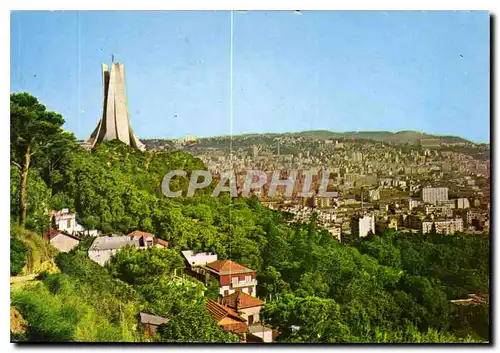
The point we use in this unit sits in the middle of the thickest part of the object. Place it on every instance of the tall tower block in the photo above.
(114, 123)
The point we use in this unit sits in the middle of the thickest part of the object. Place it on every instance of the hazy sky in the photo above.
(426, 71)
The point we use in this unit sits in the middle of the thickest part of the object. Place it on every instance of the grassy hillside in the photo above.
(39, 255)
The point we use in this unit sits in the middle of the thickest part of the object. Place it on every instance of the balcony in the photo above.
(239, 284)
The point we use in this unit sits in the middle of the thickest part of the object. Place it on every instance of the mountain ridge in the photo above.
(398, 137)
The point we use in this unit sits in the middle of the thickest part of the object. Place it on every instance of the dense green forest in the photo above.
(388, 287)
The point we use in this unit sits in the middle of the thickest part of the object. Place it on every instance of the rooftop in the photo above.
(228, 267)
(219, 311)
(112, 243)
(139, 233)
(256, 328)
(241, 300)
(152, 319)
(54, 232)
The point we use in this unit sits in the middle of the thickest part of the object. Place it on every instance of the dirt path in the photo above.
(18, 279)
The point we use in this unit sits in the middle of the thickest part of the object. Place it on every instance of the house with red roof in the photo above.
(245, 305)
(232, 277)
(227, 318)
(149, 239)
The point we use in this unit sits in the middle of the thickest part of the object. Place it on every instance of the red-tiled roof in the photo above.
(54, 232)
(237, 327)
(241, 300)
(161, 242)
(140, 233)
(219, 311)
(228, 267)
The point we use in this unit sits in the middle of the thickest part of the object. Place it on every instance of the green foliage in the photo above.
(18, 252)
(33, 134)
(90, 222)
(59, 311)
(136, 266)
(460, 262)
(213, 289)
(39, 254)
(60, 201)
(38, 200)
(193, 324)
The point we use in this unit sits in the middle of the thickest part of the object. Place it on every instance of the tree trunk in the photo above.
(23, 194)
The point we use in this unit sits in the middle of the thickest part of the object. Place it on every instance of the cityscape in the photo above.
(285, 235)
(411, 185)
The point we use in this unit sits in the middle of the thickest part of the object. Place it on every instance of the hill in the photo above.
(399, 137)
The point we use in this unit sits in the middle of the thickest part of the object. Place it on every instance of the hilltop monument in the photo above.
(114, 123)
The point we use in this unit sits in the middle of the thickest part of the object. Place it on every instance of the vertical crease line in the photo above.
(79, 73)
(231, 128)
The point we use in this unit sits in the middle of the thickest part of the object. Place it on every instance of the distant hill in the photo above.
(412, 137)
(399, 137)
(407, 136)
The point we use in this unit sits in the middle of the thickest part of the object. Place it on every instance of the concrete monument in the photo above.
(114, 123)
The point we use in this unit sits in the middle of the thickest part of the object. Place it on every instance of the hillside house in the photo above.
(150, 323)
(232, 277)
(198, 259)
(103, 248)
(65, 221)
(245, 305)
(60, 240)
(262, 332)
(227, 318)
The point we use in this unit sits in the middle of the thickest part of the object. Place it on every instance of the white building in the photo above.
(450, 226)
(261, 331)
(362, 225)
(66, 221)
(374, 194)
(433, 195)
(412, 204)
(463, 203)
(199, 259)
(357, 157)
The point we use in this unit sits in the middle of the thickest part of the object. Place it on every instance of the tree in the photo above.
(144, 266)
(90, 222)
(31, 129)
(18, 253)
(194, 324)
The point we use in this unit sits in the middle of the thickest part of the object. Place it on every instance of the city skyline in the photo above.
(293, 72)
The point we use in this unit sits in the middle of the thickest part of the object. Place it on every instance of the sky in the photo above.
(200, 73)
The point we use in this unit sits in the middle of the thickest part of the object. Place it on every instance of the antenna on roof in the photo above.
(112, 58)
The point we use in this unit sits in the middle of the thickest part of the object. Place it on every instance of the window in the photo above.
(248, 278)
(250, 290)
(250, 320)
(226, 293)
(68, 223)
